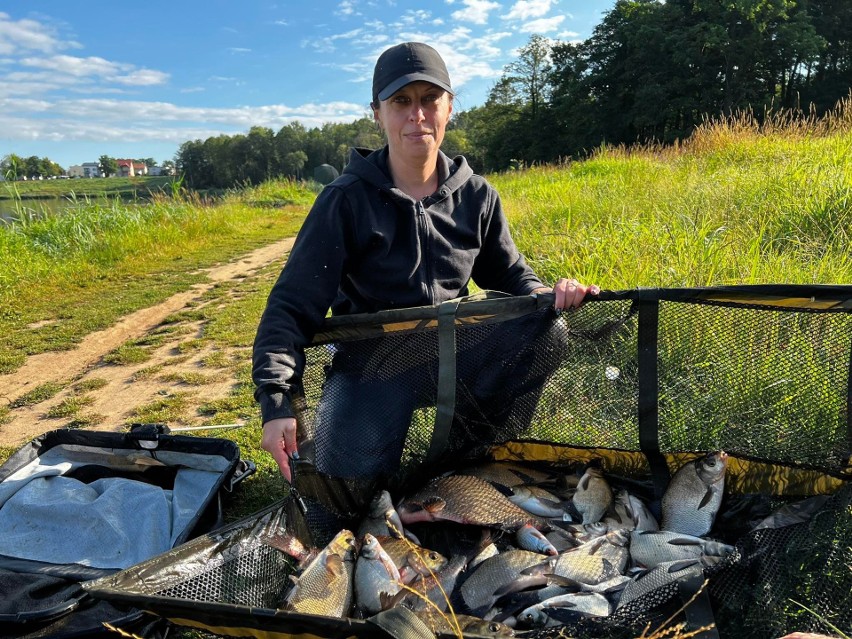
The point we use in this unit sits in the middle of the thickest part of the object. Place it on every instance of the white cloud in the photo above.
(142, 77)
(238, 50)
(475, 11)
(526, 9)
(544, 25)
(99, 119)
(570, 36)
(345, 8)
(64, 70)
(30, 36)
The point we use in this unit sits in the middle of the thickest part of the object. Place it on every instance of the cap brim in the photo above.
(397, 84)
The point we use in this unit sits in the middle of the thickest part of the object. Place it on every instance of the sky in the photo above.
(79, 80)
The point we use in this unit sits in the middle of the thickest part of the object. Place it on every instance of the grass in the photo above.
(94, 188)
(191, 379)
(127, 354)
(737, 203)
(37, 395)
(71, 406)
(91, 384)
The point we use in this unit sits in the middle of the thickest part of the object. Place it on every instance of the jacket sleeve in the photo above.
(499, 265)
(299, 301)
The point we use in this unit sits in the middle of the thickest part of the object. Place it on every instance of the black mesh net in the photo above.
(759, 372)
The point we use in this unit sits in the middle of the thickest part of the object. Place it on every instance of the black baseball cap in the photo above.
(406, 63)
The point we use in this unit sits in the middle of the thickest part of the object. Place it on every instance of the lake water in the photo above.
(9, 208)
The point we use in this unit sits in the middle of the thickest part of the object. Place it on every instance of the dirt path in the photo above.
(120, 391)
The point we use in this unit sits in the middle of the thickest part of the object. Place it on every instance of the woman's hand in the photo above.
(569, 293)
(279, 440)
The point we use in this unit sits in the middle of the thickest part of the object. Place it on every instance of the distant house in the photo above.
(131, 168)
(85, 170)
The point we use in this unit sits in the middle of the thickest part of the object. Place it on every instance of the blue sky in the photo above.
(83, 79)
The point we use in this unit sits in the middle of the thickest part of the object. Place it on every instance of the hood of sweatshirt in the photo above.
(372, 167)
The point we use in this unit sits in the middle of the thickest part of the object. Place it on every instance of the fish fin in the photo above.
(561, 604)
(685, 541)
(334, 565)
(677, 566)
(386, 600)
(434, 504)
(584, 482)
(558, 580)
(706, 499)
(538, 568)
(506, 491)
(521, 583)
(595, 545)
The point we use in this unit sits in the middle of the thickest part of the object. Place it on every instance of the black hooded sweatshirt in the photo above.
(366, 246)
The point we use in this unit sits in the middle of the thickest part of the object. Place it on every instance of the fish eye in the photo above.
(433, 556)
(493, 627)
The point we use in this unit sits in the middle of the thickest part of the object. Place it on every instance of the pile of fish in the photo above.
(506, 547)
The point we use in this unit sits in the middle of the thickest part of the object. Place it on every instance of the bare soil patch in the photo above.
(122, 388)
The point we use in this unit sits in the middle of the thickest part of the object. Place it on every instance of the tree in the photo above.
(13, 167)
(108, 166)
(528, 75)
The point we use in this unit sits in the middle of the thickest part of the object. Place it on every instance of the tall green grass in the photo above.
(741, 201)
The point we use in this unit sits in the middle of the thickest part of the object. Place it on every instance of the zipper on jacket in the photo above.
(423, 224)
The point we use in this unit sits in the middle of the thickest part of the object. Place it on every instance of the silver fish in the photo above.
(479, 591)
(376, 577)
(508, 474)
(465, 499)
(538, 501)
(620, 514)
(585, 564)
(530, 538)
(650, 548)
(489, 551)
(561, 609)
(694, 494)
(325, 587)
(662, 575)
(643, 517)
(382, 520)
(576, 535)
(593, 496)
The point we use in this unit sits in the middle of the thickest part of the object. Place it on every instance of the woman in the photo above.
(403, 226)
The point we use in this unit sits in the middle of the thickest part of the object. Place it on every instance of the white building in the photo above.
(85, 170)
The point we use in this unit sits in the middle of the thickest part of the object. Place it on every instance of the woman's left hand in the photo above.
(570, 293)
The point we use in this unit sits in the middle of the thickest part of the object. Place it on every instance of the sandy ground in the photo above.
(121, 394)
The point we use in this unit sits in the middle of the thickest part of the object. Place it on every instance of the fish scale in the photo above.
(325, 587)
(478, 590)
(694, 495)
(467, 500)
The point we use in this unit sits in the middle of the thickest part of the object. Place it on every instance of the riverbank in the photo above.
(81, 188)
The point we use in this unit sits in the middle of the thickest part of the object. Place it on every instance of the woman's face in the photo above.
(415, 119)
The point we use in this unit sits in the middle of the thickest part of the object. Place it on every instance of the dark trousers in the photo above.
(374, 387)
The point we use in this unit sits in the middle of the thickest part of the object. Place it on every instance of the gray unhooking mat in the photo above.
(75, 505)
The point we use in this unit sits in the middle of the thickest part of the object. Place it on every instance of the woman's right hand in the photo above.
(279, 440)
